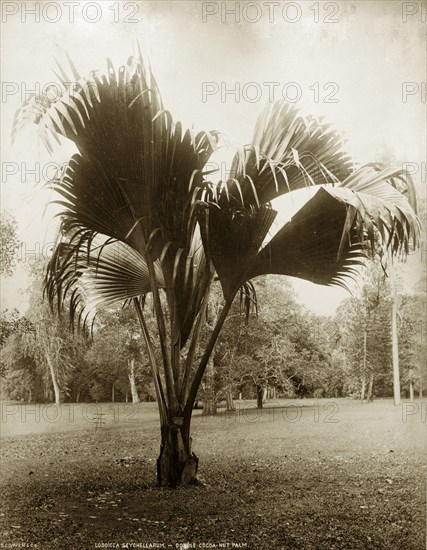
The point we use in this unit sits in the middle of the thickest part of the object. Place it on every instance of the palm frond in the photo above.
(232, 239)
(325, 241)
(136, 178)
(136, 169)
(288, 152)
(307, 247)
(89, 272)
(335, 230)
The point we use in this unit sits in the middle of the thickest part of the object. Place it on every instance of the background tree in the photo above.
(365, 334)
(9, 243)
(413, 343)
(116, 353)
(51, 343)
(9, 322)
(412, 319)
(254, 347)
(23, 379)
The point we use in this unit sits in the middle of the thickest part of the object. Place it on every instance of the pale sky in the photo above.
(361, 60)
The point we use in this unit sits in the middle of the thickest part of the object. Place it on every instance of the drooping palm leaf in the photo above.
(307, 247)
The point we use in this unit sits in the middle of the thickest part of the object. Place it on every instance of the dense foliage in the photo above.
(9, 243)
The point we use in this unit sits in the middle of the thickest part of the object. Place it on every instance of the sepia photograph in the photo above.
(213, 275)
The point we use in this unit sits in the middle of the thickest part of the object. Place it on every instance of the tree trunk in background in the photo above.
(229, 400)
(411, 391)
(112, 392)
(177, 464)
(259, 396)
(133, 388)
(369, 397)
(394, 339)
(78, 397)
(209, 408)
(30, 395)
(209, 404)
(365, 336)
(362, 391)
(56, 390)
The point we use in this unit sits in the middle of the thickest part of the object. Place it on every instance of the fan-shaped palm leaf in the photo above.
(136, 179)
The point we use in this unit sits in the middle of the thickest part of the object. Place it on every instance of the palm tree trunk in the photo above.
(177, 464)
(411, 390)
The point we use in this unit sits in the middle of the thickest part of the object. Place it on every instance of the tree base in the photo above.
(176, 464)
(171, 474)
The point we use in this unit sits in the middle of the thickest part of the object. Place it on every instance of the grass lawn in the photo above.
(307, 474)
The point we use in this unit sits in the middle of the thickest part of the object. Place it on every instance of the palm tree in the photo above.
(141, 216)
